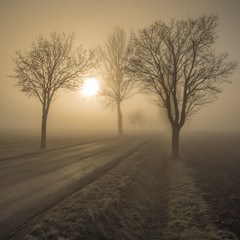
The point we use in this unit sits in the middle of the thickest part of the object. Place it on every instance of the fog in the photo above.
(21, 22)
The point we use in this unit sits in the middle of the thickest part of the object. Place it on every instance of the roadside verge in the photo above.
(125, 203)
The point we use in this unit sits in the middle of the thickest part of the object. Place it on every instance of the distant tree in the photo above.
(117, 86)
(136, 118)
(51, 64)
(178, 68)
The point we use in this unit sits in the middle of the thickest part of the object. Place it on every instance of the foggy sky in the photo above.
(21, 22)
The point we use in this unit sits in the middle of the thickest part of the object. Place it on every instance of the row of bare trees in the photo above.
(174, 64)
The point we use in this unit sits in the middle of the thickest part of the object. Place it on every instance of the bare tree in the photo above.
(136, 118)
(117, 87)
(51, 64)
(179, 69)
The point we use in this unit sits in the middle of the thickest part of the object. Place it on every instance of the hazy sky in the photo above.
(21, 21)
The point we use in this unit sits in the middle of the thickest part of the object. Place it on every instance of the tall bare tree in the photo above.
(179, 69)
(51, 64)
(114, 56)
(136, 118)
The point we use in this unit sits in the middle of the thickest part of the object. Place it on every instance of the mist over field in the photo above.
(119, 120)
(91, 22)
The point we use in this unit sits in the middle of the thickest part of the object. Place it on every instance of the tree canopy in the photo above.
(178, 67)
(51, 64)
(117, 83)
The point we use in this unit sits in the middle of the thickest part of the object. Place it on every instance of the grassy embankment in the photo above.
(189, 216)
(126, 203)
(145, 197)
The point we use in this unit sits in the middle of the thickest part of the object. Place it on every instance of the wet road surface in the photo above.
(33, 183)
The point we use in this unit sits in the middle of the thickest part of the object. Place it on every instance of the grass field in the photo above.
(215, 161)
(151, 196)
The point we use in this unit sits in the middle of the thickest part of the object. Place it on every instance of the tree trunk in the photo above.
(44, 129)
(175, 140)
(120, 128)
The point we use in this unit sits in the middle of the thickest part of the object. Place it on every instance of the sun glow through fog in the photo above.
(90, 87)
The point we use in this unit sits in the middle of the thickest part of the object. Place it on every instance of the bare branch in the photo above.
(51, 64)
(177, 67)
(114, 55)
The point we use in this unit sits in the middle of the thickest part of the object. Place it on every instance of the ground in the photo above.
(215, 160)
(151, 196)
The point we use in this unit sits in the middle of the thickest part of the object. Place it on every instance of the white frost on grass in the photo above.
(189, 216)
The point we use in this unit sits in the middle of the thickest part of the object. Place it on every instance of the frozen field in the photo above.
(146, 195)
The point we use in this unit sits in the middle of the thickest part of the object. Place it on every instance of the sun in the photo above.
(90, 87)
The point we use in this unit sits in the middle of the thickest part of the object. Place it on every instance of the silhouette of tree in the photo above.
(117, 87)
(51, 64)
(135, 118)
(178, 68)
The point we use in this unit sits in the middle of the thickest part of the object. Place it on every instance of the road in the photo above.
(31, 184)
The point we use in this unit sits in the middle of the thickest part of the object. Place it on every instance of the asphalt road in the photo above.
(33, 183)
